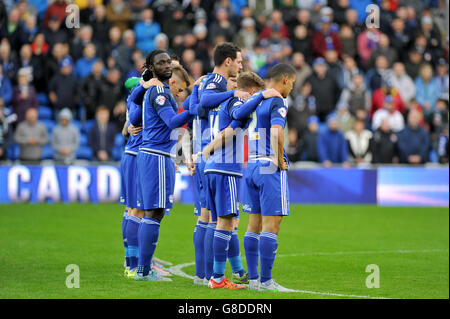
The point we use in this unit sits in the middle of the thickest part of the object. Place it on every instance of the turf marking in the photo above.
(177, 269)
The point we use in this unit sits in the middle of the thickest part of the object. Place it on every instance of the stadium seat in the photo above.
(119, 140)
(43, 99)
(117, 152)
(83, 139)
(84, 152)
(88, 125)
(47, 152)
(322, 127)
(13, 152)
(49, 124)
(45, 112)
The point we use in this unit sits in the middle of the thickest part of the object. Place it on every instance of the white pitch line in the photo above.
(371, 252)
(176, 270)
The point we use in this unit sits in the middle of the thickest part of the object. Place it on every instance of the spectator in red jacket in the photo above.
(379, 97)
(325, 39)
(56, 9)
(276, 20)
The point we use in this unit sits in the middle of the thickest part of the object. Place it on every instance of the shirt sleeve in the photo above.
(278, 112)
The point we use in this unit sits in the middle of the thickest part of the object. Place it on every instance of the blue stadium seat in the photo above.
(119, 140)
(47, 152)
(13, 152)
(322, 127)
(117, 152)
(45, 112)
(83, 139)
(88, 125)
(84, 152)
(49, 124)
(43, 99)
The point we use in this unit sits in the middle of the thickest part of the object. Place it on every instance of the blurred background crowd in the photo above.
(364, 94)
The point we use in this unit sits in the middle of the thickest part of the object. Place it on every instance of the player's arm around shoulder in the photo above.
(278, 122)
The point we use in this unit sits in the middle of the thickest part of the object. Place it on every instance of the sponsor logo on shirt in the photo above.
(160, 100)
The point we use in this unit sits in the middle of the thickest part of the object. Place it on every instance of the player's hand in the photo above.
(284, 165)
(199, 80)
(191, 167)
(267, 94)
(152, 82)
(132, 130)
(206, 152)
(241, 94)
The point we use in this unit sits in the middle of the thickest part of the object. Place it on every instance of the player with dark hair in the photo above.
(154, 160)
(266, 194)
(223, 171)
(211, 91)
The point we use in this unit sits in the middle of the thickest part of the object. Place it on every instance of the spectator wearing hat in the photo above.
(247, 36)
(402, 82)
(331, 144)
(63, 87)
(324, 88)
(31, 135)
(101, 135)
(309, 140)
(54, 33)
(24, 95)
(384, 144)
(65, 138)
(413, 141)
(325, 39)
(359, 143)
(396, 121)
(427, 88)
(146, 30)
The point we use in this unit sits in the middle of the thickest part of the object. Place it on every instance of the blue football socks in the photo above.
(267, 251)
(148, 239)
(234, 254)
(132, 240)
(199, 246)
(251, 247)
(220, 247)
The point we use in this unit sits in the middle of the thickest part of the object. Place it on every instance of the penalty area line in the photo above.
(177, 270)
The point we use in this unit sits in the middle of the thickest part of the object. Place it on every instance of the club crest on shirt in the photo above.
(211, 86)
(282, 112)
(160, 100)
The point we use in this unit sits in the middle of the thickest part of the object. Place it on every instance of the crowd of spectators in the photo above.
(364, 93)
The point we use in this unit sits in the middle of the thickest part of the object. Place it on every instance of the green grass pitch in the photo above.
(323, 253)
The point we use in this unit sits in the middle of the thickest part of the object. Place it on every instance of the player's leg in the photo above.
(251, 205)
(125, 213)
(134, 222)
(275, 205)
(156, 198)
(209, 193)
(226, 208)
(199, 235)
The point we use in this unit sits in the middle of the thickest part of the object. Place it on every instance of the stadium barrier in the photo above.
(391, 186)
